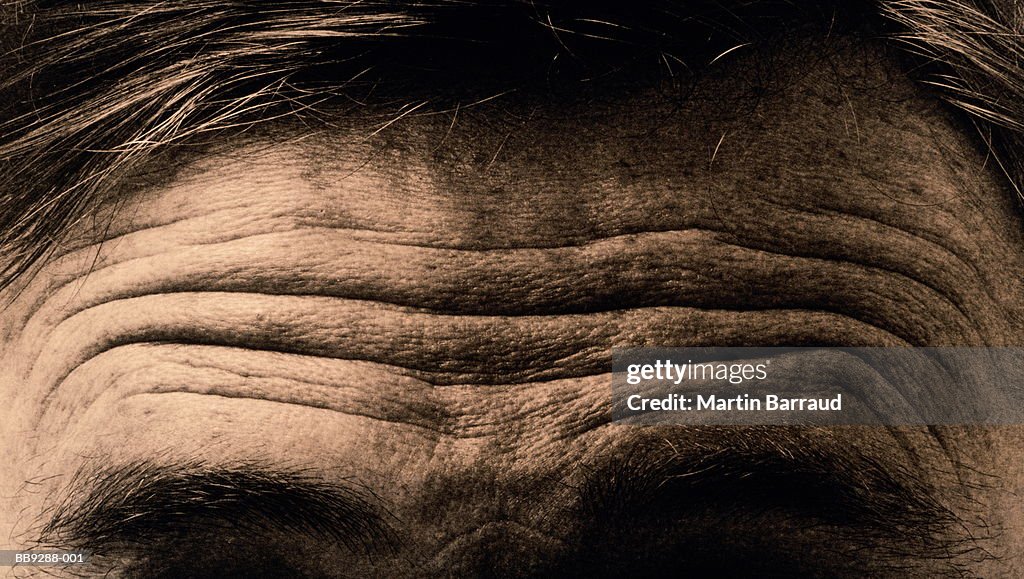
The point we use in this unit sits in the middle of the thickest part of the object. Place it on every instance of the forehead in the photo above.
(505, 245)
(428, 290)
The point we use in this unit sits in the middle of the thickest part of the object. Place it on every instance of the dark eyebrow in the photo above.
(132, 505)
(879, 505)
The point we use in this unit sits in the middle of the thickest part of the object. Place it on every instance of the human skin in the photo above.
(430, 312)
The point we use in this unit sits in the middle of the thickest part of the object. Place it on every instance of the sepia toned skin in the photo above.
(427, 314)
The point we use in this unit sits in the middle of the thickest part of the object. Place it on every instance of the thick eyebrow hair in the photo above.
(129, 505)
(880, 506)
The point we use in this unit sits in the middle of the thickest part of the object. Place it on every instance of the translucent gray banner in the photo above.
(818, 386)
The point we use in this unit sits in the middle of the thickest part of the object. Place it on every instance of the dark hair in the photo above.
(91, 89)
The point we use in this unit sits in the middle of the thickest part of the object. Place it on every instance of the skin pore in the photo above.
(421, 320)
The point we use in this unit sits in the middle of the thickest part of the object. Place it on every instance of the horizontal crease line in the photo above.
(399, 308)
(128, 342)
(445, 429)
(81, 278)
(439, 246)
(402, 371)
(423, 375)
(448, 428)
(416, 373)
(823, 211)
(957, 305)
(930, 287)
(403, 308)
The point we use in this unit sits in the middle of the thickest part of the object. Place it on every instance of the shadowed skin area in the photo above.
(428, 313)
